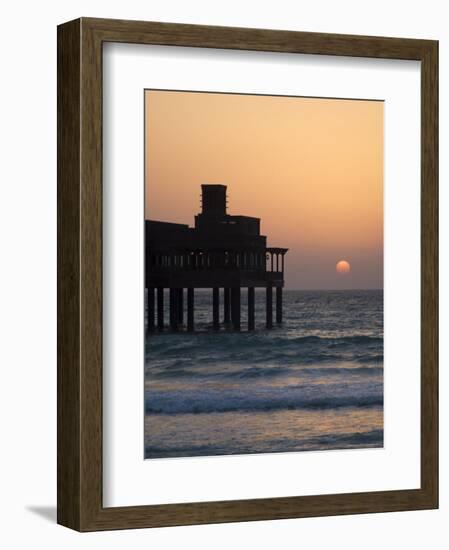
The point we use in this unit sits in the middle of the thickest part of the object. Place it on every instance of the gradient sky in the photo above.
(310, 168)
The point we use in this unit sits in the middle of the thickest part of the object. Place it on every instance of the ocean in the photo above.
(313, 383)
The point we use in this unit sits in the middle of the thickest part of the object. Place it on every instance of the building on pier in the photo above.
(222, 252)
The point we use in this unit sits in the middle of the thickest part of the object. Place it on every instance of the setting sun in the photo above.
(343, 267)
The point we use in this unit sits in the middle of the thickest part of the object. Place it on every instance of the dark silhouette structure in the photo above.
(220, 252)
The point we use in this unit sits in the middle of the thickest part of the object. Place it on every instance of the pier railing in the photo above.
(268, 260)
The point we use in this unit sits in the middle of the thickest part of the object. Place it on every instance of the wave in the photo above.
(354, 339)
(367, 439)
(312, 372)
(243, 349)
(263, 372)
(255, 403)
(250, 339)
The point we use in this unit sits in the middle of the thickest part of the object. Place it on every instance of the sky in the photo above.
(310, 168)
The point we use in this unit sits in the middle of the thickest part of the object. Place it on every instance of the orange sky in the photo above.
(311, 169)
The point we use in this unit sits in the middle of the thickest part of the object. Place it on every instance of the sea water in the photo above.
(313, 383)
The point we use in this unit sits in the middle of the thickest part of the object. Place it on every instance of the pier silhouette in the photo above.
(222, 252)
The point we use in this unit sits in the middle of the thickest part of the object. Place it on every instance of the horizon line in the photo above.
(309, 289)
(332, 289)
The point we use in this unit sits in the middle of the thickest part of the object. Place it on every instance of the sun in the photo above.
(343, 267)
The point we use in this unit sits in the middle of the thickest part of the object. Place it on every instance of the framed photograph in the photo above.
(247, 274)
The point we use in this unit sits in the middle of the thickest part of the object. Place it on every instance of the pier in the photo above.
(223, 253)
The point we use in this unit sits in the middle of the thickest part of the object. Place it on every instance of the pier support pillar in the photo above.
(215, 307)
(174, 295)
(278, 305)
(235, 307)
(251, 309)
(190, 308)
(180, 305)
(150, 309)
(227, 305)
(269, 301)
(160, 308)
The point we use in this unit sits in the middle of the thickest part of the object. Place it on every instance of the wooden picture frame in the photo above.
(80, 503)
